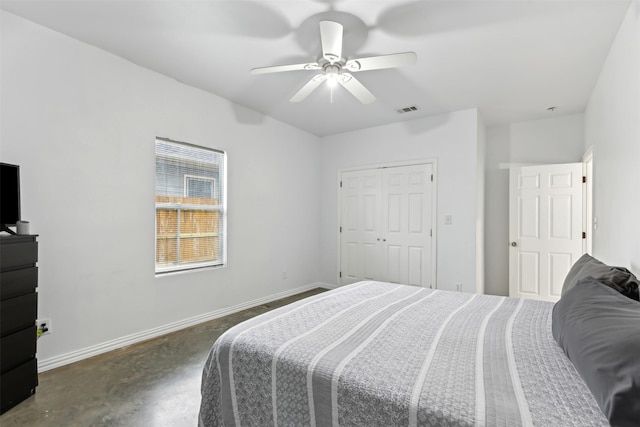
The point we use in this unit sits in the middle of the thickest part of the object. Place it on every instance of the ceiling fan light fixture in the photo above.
(332, 73)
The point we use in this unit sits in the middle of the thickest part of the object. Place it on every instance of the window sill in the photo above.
(170, 271)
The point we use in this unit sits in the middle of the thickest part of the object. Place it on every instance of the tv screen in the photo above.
(9, 195)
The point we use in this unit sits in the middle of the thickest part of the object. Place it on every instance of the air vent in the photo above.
(407, 109)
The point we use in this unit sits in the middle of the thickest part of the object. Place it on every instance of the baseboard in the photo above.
(94, 350)
(327, 285)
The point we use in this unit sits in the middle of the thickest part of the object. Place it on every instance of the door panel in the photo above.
(371, 255)
(560, 217)
(394, 264)
(393, 213)
(351, 223)
(529, 266)
(529, 180)
(351, 259)
(545, 228)
(416, 260)
(368, 212)
(416, 204)
(529, 221)
(559, 265)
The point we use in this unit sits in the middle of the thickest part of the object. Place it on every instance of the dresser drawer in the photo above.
(18, 384)
(18, 348)
(19, 254)
(18, 282)
(18, 313)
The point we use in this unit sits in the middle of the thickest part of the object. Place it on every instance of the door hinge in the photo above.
(431, 177)
(584, 179)
(341, 229)
(584, 234)
(431, 233)
(341, 274)
(340, 184)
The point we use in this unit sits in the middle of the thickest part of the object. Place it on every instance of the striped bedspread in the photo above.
(380, 354)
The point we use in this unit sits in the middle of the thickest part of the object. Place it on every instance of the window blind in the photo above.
(190, 206)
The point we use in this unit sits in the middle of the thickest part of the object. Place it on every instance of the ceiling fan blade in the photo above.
(280, 68)
(331, 38)
(356, 88)
(309, 87)
(380, 62)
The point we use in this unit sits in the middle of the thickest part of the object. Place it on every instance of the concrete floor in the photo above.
(154, 383)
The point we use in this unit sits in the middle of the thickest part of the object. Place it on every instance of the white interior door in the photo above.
(406, 225)
(360, 225)
(545, 228)
(386, 225)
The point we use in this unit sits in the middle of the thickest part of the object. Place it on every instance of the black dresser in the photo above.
(18, 314)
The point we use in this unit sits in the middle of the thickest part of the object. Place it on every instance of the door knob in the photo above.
(514, 244)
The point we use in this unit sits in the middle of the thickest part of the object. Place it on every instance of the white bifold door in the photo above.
(386, 222)
(545, 228)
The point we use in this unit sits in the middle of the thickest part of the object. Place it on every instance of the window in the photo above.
(190, 206)
(199, 186)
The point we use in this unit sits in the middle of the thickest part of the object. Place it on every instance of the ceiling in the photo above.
(512, 59)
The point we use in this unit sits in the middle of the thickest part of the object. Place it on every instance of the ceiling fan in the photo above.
(334, 69)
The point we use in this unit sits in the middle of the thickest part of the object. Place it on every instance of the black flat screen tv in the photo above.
(9, 196)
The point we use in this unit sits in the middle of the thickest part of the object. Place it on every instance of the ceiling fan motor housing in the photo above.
(334, 69)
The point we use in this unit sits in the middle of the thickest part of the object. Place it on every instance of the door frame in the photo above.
(587, 200)
(434, 216)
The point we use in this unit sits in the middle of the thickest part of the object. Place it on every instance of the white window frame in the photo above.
(221, 207)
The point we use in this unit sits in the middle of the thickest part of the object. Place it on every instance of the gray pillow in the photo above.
(599, 330)
(618, 278)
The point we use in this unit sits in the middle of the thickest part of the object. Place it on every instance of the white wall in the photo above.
(452, 139)
(81, 124)
(554, 140)
(612, 127)
(480, 204)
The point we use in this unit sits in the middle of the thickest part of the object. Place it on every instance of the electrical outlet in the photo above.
(459, 287)
(44, 327)
(284, 275)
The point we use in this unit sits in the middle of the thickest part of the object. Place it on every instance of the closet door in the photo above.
(406, 225)
(360, 225)
(386, 220)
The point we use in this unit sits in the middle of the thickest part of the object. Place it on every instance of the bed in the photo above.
(382, 354)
